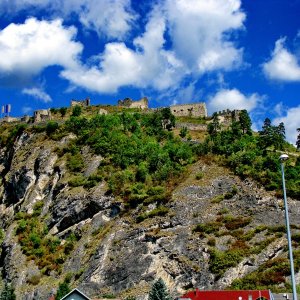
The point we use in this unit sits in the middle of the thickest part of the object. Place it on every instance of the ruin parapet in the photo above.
(42, 115)
(129, 103)
(83, 103)
(189, 110)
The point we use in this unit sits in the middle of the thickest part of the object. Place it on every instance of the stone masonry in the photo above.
(189, 110)
(129, 103)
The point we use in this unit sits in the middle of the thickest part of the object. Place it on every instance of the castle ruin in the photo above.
(42, 115)
(189, 110)
(226, 117)
(83, 103)
(129, 103)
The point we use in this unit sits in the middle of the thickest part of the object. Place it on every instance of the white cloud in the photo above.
(200, 32)
(233, 99)
(148, 65)
(111, 18)
(30, 47)
(283, 65)
(200, 35)
(37, 94)
(291, 121)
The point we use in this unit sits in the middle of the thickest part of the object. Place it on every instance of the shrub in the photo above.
(220, 261)
(75, 162)
(199, 175)
(63, 111)
(159, 211)
(76, 111)
(210, 227)
(51, 127)
(217, 199)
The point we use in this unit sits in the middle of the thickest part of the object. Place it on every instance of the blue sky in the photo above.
(227, 53)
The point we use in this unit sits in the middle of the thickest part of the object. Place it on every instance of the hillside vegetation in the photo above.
(84, 184)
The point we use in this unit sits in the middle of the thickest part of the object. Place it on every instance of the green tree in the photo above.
(8, 293)
(245, 121)
(214, 126)
(76, 112)
(63, 111)
(159, 291)
(51, 127)
(168, 119)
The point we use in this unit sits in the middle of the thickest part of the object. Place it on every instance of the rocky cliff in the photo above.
(215, 230)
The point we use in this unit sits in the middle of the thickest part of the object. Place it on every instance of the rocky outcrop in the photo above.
(113, 253)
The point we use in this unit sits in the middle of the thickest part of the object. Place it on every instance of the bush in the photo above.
(199, 175)
(208, 228)
(75, 162)
(76, 111)
(220, 261)
(51, 127)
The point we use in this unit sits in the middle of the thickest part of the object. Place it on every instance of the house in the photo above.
(228, 295)
(75, 295)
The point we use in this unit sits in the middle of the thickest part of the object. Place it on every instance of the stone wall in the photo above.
(227, 116)
(42, 115)
(127, 102)
(83, 103)
(189, 110)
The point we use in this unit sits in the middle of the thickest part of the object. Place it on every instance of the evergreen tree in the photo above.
(245, 121)
(8, 293)
(267, 134)
(279, 137)
(159, 291)
(298, 139)
(214, 126)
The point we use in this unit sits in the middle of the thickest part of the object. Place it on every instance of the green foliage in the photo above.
(63, 289)
(75, 162)
(159, 291)
(208, 228)
(220, 261)
(232, 223)
(63, 111)
(183, 132)
(46, 250)
(159, 211)
(51, 127)
(199, 175)
(268, 276)
(76, 111)
(8, 293)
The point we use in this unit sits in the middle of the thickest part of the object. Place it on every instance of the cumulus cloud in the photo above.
(233, 99)
(200, 32)
(111, 18)
(283, 65)
(148, 65)
(30, 47)
(291, 121)
(37, 94)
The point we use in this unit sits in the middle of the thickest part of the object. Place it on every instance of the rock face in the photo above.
(113, 253)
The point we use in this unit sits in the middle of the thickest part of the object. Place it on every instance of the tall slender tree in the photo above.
(245, 122)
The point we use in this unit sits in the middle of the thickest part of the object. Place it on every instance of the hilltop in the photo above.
(110, 201)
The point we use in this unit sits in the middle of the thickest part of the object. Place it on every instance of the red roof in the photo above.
(228, 295)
